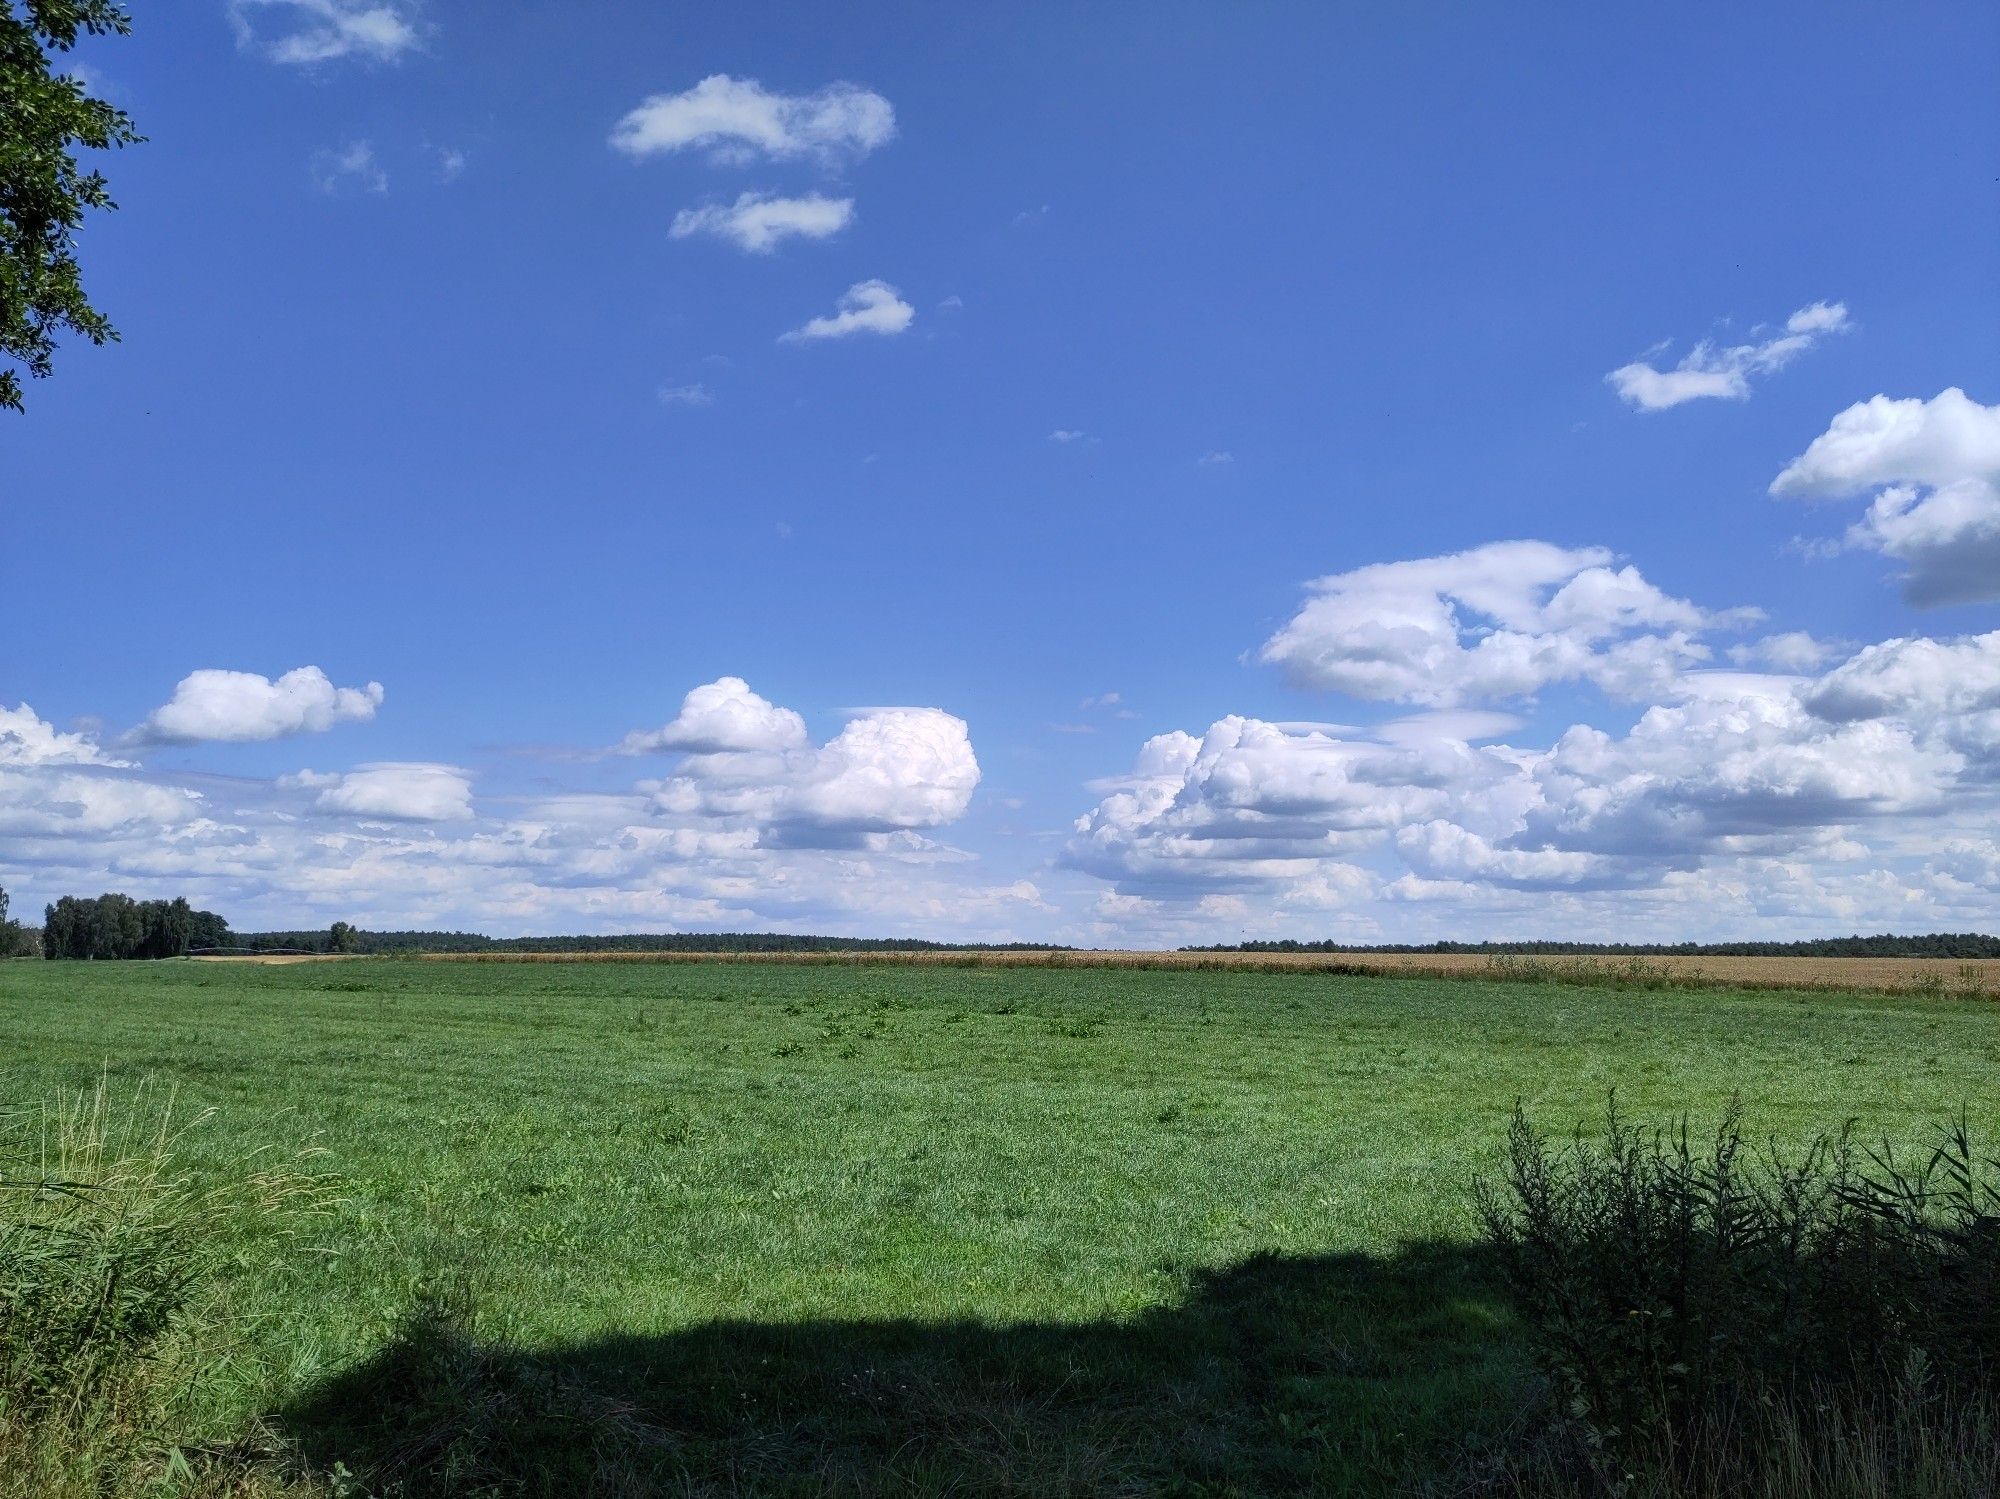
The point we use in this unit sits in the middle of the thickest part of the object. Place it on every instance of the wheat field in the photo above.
(1971, 978)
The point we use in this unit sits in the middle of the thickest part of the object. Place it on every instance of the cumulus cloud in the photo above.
(28, 739)
(753, 826)
(1936, 467)
(316, 31)
(240, 705)
(865, 307)
(889, 768)
(1709, 371)
(1856, 797)
(57, 785)
(70, 805)
(1252, 802)
(1970, 864)
(738, 119)
(723, 717)
(403, 790)
(1789, 651)
(1786, 779)
(749, 761)
(1883, 441)
(1952, 684)
(389, 844)
(759, 222)
(1754, 772)
(1498, 622)
(1931, 677)
(1440, 850)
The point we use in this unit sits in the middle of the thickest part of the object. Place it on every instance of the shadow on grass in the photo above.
(1342, 1374)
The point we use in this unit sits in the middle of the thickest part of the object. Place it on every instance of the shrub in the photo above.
(1686, 1301)
(106, 1249)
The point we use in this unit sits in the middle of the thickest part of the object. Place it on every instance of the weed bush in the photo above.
(105, 1251)
(1689, 1302)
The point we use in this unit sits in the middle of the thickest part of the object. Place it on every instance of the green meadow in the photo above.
(634, 1228)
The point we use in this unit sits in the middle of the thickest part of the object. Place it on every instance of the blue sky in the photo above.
(1163, 316)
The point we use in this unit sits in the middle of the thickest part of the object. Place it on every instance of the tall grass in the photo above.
(108, 1255)
(1715, 1319)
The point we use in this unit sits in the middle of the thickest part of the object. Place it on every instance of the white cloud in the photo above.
(737, 119)
(1937, 510)
(754, 827)
(1497, 622)
(1067, 434)
(865, 307)
(1252, 802)
(26, 739)
(316, 31)
(1792, 798)
(1973, 865)
(751, 762)
(1440, 850)
(892, 768)
(1711, 372)
(1467, 725)
(1215, 458)
(1883, 441)
(240, 705)
(351, 166)
(1790, 651)
(450, 163)
(696, 394)
(1919, 674)
(723, 717)
(65, 804)
(759, 222)
(403, 790)
(1953, 685)
(57, 785)
(571, 864)
(1754, 773)
(1863, 797)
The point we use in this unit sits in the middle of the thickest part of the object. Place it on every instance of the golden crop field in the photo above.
(1979, 977)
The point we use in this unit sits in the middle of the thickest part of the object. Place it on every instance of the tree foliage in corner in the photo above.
(45, 117)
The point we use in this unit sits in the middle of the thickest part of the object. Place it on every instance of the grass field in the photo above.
(808, 1228)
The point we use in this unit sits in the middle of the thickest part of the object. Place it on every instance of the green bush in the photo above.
(106, 1254)
(1680, 1297)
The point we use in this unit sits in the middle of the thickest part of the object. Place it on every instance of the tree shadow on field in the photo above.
(1339, 1374)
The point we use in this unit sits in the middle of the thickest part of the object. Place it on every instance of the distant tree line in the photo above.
(117, 926)
(1887, 945)
(400, 942)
